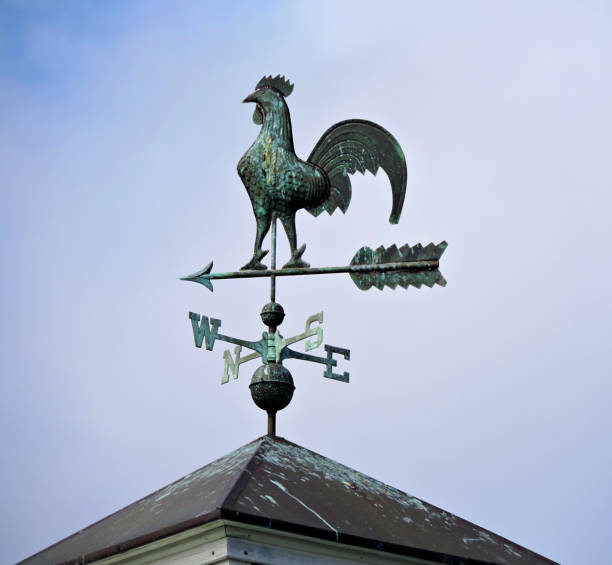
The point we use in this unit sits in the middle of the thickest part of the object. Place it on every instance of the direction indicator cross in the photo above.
(272, 349)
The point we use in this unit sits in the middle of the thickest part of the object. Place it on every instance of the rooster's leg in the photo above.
(263, 225)
(296, 254)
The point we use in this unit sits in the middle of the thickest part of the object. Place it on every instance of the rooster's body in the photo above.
(279, 183)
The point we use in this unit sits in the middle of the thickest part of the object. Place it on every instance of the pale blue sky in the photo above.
(121, 130)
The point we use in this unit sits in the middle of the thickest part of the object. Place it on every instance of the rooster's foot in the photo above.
(296, 261)
(255, 263)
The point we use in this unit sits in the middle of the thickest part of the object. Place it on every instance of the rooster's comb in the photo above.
(279, 83)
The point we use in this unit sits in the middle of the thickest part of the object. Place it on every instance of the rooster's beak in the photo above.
(251, 97)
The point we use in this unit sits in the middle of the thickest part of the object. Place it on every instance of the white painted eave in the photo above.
(231, 543)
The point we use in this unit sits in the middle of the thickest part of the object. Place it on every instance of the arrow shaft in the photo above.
(378, 267)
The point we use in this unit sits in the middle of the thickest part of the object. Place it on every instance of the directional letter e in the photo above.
(202, 331)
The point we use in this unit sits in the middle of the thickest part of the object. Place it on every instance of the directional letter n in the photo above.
(203, 332)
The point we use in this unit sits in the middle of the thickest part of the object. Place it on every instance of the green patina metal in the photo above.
(271, 348)
(387, 266)
(272, 387)
(368, 268)
(279, 184)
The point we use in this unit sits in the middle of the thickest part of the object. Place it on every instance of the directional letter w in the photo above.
(202, 331)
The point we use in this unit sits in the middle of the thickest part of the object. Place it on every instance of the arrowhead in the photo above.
(200, 277)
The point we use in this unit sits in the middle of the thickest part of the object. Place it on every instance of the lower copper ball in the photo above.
(272, 387)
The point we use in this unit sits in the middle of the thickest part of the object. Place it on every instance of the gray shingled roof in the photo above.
(274, 483)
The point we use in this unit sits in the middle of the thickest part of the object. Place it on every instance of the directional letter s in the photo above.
(318, 331)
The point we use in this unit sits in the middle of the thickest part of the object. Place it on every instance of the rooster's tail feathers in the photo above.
(359, 145)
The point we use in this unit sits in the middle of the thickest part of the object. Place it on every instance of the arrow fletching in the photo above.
(390, 270)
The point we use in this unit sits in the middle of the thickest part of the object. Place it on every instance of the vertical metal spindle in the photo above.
(271, 330)
(273, 265)
(272, 424)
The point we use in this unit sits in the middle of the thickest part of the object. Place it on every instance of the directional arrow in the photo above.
(406, 266)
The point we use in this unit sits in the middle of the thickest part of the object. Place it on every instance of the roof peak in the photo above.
(278, 484)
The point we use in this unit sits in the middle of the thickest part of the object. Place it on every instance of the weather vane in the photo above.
(279, 184)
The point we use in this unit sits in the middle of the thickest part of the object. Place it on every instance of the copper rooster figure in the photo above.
(279, 183)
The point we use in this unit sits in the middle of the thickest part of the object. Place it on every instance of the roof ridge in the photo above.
(242, 478)
(142, 498)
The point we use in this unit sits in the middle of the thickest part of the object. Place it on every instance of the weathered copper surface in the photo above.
(383, 267)
(272, 384)
(272, 387)
(271, 348)
(279, 183)
(279, 485)
(395, 273)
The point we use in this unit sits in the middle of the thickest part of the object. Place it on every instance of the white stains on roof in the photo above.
(270, 499)
(282, 487)
(512, 551)
(225, 465)
(449, 519)
(349, 485)
(266, 465)
(296, 459)
(417, 503)
(483, 535)
(253, 505)
(303, 465)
